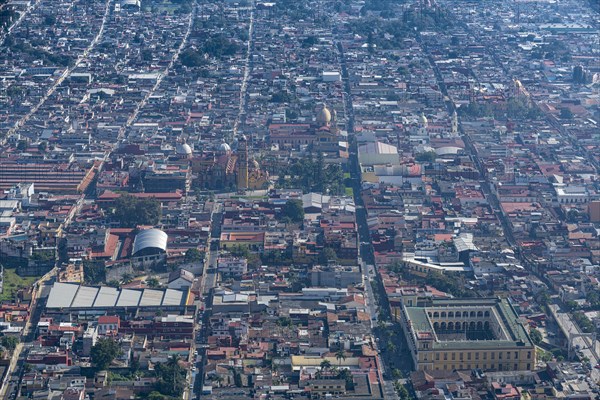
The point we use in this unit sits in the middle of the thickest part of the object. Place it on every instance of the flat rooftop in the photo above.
(66, 296)
(425, 322)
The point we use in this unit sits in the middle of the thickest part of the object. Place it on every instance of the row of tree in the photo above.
(453, 284)
(170, 376)
(311, 174)
(131, 211)
(514, 108)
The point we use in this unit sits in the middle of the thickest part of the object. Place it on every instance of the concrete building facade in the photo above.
(465, 334)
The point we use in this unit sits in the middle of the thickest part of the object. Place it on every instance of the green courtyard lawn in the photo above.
(13, 282)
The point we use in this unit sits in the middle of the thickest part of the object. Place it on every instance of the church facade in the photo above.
(224, 169)
(321, 136)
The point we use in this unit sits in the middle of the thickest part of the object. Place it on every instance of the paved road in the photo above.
(11, 381)
(22, 16)
(133, 117)
(66, 73)
(365, 249)
(247, 71)
(209, 280)
(568, 325)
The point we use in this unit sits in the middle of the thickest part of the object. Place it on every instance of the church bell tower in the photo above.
(242, 163)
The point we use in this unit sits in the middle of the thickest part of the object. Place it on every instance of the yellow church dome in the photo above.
(324, 116)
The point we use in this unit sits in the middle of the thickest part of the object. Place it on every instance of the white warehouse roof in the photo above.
(150, 238)
(71, 295)
(378, 148)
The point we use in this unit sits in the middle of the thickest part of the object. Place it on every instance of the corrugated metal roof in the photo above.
(173, 298)
(154, 238)
(378, 148)
(464, 242)
(129, 298)
(69, 295)
(107, 297)
(152, 297)
(61, 295)
(85, 296)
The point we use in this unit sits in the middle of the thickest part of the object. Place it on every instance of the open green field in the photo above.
(13, 282)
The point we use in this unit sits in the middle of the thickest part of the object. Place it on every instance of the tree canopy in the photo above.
(514, 108)
(311, 174)
(94, 272)
(104, 352)
(192, 58)
(193, 255)
(566, 113)
(428, 156)
(131, 211)
(10, 342)
(171, 378)
(219, 45)
(293, 210)
(536, 336)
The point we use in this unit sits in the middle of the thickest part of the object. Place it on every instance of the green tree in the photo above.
(328, 254)
(113, 283)
(104, 352)
(309, 41)
(340, 355)
(193, 255)
(593, 297)
(22, 145)
(572, 215)
(49, 20)
(147, 55)
(536, 336)
(10, 342)
(428, 156)
(403, 392)
(566, 113)
(543, 355)
(131, 211)
(157, 396)
(219, 46)
(281, 97)
(170, 378)
(571, 305)
(346, 375)
(391, 347)
(153, 282)
(15, 91)
(126, 278)
(312, 175)
(94, 272)
(584, 322)
(543, 297)
(134, 363)
(192, 58)
(293, 210)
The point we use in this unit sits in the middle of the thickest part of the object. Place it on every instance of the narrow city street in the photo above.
(66, 73)
(371, 277)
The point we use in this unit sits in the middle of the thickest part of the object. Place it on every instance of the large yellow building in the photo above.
(465, 334)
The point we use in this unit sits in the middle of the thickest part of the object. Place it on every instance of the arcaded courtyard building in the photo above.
(464, 334)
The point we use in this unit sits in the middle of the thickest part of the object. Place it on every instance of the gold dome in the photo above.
(423, 119)
(324, 116)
